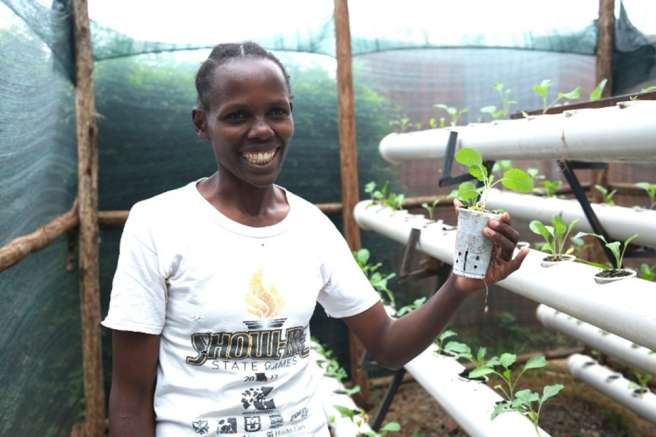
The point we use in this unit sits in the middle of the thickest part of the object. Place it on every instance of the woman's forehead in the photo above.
(247, 72)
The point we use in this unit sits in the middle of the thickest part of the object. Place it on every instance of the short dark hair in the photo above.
(221, 54)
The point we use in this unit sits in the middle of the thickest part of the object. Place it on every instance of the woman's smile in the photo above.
(260, 159)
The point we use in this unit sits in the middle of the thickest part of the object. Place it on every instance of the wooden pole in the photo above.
(20, 247)
(349, 164)
(605, 44)
(87, 133)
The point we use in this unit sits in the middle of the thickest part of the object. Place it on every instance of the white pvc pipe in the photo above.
(620, 348)
(470, 403)
(613, 385)
(625, 132)
(620, 222)
(624, 307)
(328, 391)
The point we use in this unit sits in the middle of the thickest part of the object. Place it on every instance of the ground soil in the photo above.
(578, 411)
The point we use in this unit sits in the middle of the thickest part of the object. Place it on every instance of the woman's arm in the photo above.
(395, 342)
(134, 372)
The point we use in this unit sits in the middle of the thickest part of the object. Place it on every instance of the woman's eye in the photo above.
(279, 113)
(235, 117)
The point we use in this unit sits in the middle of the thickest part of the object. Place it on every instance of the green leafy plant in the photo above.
(617, 248)
(359, 419)
(607, 196)
(384, 196)
(503, 111)
(402, 124)
(440, 340)
(454, 113)
(410, 307)
(647, 272)
(501, 367)
(430, 207)
(377, 279)
(542, 90)
(550, 187)
(473, 197)
(525, 403)
(554, 235)
(596, 93)
(650, 189)
(649, 89)
(642, 385)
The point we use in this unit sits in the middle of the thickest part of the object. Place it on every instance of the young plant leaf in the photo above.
(480, 372)
(599, 89)
(526, 397)
(468, 157)
(446, 334)
(479, 172)
(535, 363)
(550, 391)
(467, 192)
(571, 95)
(537, 227)
(506, 359)
(517, 180)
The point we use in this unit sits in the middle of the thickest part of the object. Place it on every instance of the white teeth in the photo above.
(259, 158)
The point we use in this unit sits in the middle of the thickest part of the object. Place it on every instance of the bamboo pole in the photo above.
(87, 131)
(605, 44)
(21, 247)
(349, 165)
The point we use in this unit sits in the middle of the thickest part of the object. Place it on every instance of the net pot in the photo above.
(612, 275)
(473, 250)
(548, 261)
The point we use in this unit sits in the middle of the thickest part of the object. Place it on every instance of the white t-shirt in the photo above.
(232, 305)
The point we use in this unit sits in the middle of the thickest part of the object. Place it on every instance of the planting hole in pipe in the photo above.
(612, 275)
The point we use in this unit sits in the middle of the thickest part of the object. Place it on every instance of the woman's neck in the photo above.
(244, 203)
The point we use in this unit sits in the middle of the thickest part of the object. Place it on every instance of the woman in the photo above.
(216, 281)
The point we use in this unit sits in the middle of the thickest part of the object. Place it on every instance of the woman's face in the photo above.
(249, 120)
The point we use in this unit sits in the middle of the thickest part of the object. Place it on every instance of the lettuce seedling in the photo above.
(473, 197)
(384, 196)
(647, 272)
(506, 102)
(614, 247)
(525, 401)
(607, 196)
(453, 112)
(650, 189)
(505, 362)
(550, 187)
(542, 90)
(598, 90)
(377, 279)
(555, 236)
(642, 385)
(430, 207)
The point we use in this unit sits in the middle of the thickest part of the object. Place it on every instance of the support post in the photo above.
(87, 131)
(605, 43)
(349, 163)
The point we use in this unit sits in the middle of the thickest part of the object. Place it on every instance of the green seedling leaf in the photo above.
(537, 227)
(571, 95)
(599, 89)
(479, 172)
(542, 89)
(370, 187)
(501, 166)
(467, 192)
(500, 408)
(550, 391)
(346, 412)
(480, 372)
(507, 359)
(468, 157)
(535, 363)
(362, 257)
(391, 427)
(646, 272)
(480, 355)
(525, 397)
(649, 89)
(457, 349)
(614, 247)
(445, 334)
(517, 180)
(559, 225)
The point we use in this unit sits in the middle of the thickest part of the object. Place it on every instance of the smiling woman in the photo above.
(217, 281)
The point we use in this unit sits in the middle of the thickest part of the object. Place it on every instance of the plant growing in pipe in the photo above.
(550, 187)
(641, 386)
(454, 113)
(525, 403)
(542, 90)
(383, 196)
(430, 208)
(377, 279)
(473, 251)
(606, 195)
(503, 111)
(555, 239)
(615, 271)
(650, 189)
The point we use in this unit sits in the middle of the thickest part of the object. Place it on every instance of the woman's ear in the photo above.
(200, 122)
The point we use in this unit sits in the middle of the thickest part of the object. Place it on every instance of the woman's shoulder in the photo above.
(164, 207)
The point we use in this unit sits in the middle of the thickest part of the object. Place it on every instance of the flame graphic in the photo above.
(261, 302)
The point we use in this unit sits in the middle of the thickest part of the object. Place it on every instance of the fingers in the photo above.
(457, 205)
(519, 259)
(504, 244)
(503, 226)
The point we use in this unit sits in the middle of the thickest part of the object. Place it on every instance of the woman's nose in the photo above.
(260, 129)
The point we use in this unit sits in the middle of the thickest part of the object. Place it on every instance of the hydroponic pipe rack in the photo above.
(624, 307)
(613, 385)
(620, 222)
(620, 348)
(624, 132)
